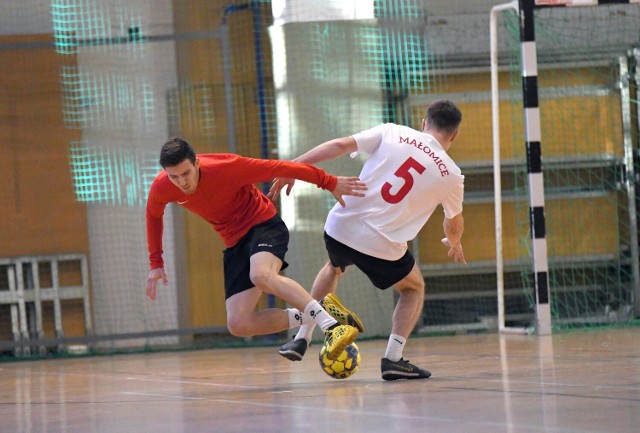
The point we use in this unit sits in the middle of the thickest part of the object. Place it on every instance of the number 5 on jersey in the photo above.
(404, 173)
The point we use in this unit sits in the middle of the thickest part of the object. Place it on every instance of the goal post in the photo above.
(497, 182)
(622, 166)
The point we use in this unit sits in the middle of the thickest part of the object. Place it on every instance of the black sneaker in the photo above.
(394, 370)
(294, 350)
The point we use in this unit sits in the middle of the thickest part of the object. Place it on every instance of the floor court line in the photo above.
(163, 396)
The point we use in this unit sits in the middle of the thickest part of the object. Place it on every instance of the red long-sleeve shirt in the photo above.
(225, 196)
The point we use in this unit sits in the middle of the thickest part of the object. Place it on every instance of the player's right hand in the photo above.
(152, 282)
(348, 186)
(278, 184)
(455, 252)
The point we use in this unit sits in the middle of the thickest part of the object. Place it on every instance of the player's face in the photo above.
(185, 175)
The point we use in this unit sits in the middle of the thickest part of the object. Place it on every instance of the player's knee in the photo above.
(420, 285)
(238, 327)
(261, 278)
(411, 286)
(414, 281)
(328, 267)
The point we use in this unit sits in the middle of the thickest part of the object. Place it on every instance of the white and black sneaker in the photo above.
(294, 350)
(395, 370)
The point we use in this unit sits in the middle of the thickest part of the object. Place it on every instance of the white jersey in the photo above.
(408, 174)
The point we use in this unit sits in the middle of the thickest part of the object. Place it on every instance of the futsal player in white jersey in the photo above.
(408, 174)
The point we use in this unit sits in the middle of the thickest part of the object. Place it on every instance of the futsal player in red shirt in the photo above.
(220, 188)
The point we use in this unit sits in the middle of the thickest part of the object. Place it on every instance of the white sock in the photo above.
(395, 347)
(306, 332)
(318, 314)
(295, 317)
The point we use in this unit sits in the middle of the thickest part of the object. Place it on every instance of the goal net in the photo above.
(587, 79)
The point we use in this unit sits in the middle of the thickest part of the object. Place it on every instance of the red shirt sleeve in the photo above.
(263, 170)
(155, 225)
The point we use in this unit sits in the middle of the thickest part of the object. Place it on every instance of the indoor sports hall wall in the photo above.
(91, 89)
(40, 214)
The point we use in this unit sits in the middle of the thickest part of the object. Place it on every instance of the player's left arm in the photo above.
(453, 224)
(326, 151)
(260, 170)
(453, 230)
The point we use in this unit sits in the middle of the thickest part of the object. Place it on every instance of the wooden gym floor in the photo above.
(583, 381)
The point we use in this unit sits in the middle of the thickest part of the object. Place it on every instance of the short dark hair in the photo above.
(444, 116)
(176, 150)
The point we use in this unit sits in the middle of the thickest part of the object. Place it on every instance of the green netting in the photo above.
(101, 100)
(82, 23)
(111, 176)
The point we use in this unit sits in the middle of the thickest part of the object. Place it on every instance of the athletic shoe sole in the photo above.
(342, 314)
(291, 355)
(348, 336)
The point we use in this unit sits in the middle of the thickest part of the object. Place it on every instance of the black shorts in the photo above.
(382, 273)
(271, 235)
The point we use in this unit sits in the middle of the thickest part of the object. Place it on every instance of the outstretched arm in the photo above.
(453, 229)
(155, 226)
(326, 151)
